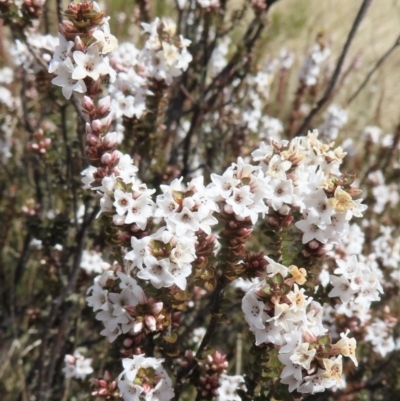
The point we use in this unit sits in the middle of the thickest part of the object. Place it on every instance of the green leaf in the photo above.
(171, 338)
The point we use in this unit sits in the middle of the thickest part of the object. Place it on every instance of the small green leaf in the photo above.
(171, 338)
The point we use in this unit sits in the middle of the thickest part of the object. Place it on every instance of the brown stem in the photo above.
(384, 57)
(360, 16)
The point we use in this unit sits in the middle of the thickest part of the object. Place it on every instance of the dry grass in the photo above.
(296, 23)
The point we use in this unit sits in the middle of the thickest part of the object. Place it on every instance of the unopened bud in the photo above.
(88, 105)
(272, 221)
(102, 383)
(110, 140)
(97, 126)
(88, 129)
(68, 30)
(93, 140)
(110, 159)
(128, 342)
(287, 221)
(103, 107)
(92, 153)
(284, 210)
(86, 7)
(107, 121)
(314, 244)
(70, 359)
(79, 45)
(150, 322)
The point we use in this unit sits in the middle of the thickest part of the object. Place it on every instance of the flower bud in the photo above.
(102, 383)
(88, 129)
(92, 153)
(86, 7)
(79, 45)
(110, 140)
(284, 210)
(150, 322)
(103, 107)
(272, 221)
(93, 140)
(88, 105)
(68, 30)
(314, 244)
(97, 126)
(107, 121)
(287, 221)
(128, 342)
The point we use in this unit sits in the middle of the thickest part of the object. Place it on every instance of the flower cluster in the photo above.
(279, 313)
(78, 60)
(77, 366)
(304, 175)
(311, 67)
(144, 379)
(357, 284)
(92, 262)
(163, 57)
(124, 307)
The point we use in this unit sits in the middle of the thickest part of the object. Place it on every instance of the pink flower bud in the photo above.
(79, 45)
(272, 221)
(88, 105)
(103, 107)
(97, 126)
(110, 140)
(68, 30)
(106, 159)
(314, 244)
(102, 383)
(103, 391)
(92, 153)
(107, 121)
(150, 322)
(69, 359)
(287, 221)
(88, 129)
(128, 342)
(156, 308)
(93, 140)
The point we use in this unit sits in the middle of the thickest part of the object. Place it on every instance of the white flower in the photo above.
(312, 228)
(89, 64)
(253, 310)
(61, 54)
(139, 211)
(341, 288)
(303, 356)
(138, 252)
(185, 221)
(65, 80)
(77, 366)
(228, 386)
(107, 42)
(92, 262)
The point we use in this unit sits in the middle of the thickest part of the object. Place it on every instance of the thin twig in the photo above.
(374, 68)
(360, 16)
